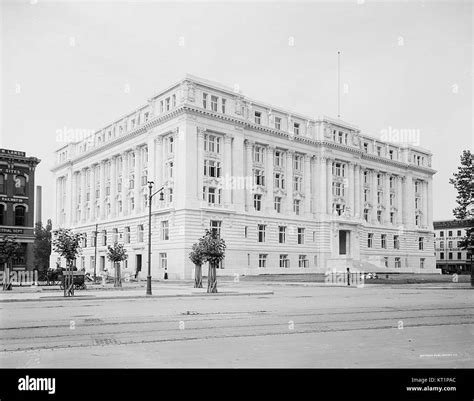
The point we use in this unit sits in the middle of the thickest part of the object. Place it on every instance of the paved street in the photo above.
(297, 326)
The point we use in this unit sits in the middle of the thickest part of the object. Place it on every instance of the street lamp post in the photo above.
(150, 197)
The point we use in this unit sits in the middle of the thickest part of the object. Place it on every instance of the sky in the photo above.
(83, 64)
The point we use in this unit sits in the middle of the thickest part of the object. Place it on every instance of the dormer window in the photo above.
(277, 123)
(167, 104)
(296, 128)
(214, 103)
(258, 117)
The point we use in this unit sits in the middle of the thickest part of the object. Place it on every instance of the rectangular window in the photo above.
(284, 261)
(214, 103)
(279, 181)
(223, 106)
(398, 263)
(300, 235)
(126, 235)
(296, 206)
(204, 100)
(257, 202)
(278, 158)
(396, 242)
(459, 255)
(258, 117)
(277, 122)
(215, 227)
(277, 204)
(140, 233)
(450, 255)
(262, 260)
(261, 233)
(383, 241)
(385, 261)
(422, 263)
(165, 230)
(246, 231)
(420, 243)
(258, 154)
(303, 261)
(167, 104)
(259, 178)
(296, 128)
(441, 255)
(370, 239)
(379, 216)
(163, 260)
(366, 214)
(281, 234)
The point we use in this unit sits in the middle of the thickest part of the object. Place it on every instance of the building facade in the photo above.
(288, 193)
(17, 199)
(450, 258)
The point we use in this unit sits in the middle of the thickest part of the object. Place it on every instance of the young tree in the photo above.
(42, 245)
(9, 249)
(117, 254)
(68, 245)
(463, 182)
(213, 250)
(197, 258)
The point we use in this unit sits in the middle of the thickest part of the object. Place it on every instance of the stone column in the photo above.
(92, 194)
(307, 184)
(113, 186)
(315, 170)
(357, 191)
(429, 203)
(138, 179)
(58, 200)
(289, 182)
(227, 189)
(83, 194)
(408, 202)
(322, 192)
(200, 162)
(386, 196)
(350, 186)
(374, 190)
(75, 182)
(424, 203)
(269, 179)
(249, 173)
(102, 190)
(124, 183)
(329, 195)
(399, 198)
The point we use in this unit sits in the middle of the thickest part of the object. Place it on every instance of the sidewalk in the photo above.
(127, 291)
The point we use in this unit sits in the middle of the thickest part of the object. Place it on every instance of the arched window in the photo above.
(20, 215)
(2, 184)
(2, 214)
(20, 185)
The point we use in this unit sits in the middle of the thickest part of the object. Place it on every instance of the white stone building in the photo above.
(289, 194)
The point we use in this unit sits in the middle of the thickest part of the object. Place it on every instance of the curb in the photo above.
(93, 297)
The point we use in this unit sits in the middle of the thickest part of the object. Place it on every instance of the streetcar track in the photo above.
(233, 335)
(73, 333)
(289, 314)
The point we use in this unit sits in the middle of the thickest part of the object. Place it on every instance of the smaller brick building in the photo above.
(450, 258)
(17, 197)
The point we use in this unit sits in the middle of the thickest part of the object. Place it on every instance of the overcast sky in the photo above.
(405, 66)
